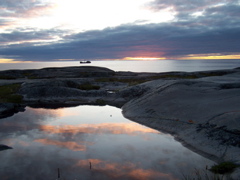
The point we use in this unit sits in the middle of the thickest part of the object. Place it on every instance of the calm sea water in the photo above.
(137, 66)
(90, 142)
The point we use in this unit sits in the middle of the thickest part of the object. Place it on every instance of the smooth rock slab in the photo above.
(202, 113)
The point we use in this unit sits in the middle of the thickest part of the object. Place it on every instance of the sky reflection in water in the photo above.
(69, 138)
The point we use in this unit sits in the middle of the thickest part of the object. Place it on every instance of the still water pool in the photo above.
(89, 142)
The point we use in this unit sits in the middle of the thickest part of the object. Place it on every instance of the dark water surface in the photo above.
(89, 142)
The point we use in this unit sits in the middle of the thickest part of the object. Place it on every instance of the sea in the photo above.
(136, 66)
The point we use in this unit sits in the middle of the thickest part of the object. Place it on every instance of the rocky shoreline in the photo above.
(201, 109)
(203, 114)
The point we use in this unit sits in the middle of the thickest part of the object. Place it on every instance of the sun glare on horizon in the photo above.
(144, 58)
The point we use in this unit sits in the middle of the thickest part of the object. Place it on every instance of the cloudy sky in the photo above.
(53, 30)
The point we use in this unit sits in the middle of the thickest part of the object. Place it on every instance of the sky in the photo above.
(66, 30)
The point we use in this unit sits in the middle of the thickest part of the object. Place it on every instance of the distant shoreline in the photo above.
(135, 66)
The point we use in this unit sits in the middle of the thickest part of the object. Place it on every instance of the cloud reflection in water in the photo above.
(103, 128)
(44, 140)
(124, 170)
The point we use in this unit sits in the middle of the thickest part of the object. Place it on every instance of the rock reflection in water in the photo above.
(73, 138)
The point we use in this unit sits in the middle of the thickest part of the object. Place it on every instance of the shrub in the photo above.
(223, 168)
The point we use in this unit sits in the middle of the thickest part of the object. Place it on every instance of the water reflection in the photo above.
(73, 138)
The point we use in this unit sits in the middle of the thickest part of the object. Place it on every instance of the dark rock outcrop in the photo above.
(8, 109)
(4, 147)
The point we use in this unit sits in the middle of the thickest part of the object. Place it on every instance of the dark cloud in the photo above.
(184, 5)
(188, 5)
(168, 40)
(232, 10)
(213, 12)
(23, 8)
(28, 34)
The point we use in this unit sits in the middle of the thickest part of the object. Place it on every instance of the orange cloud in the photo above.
(69, 145)
(111, 128)
(116, 170)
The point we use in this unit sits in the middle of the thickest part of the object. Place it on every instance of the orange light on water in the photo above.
(6, 60)
(12, 61)
(126, 169)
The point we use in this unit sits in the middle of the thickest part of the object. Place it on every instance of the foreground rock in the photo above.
(8, 109)
(201, 109)
(203, 113)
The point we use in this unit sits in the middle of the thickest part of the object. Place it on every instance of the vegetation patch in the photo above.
(216, 73)
(8, 93)
(6, 77)
(174, 76)
(106, 79)
(101, 102)
(30, 76)
(88, 86)
(129, 81)
(134, 81)
(138, 80)
(223, 168)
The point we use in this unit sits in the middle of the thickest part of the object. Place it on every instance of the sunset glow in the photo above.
(144, 58)
(6, 60)
(211, 56)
